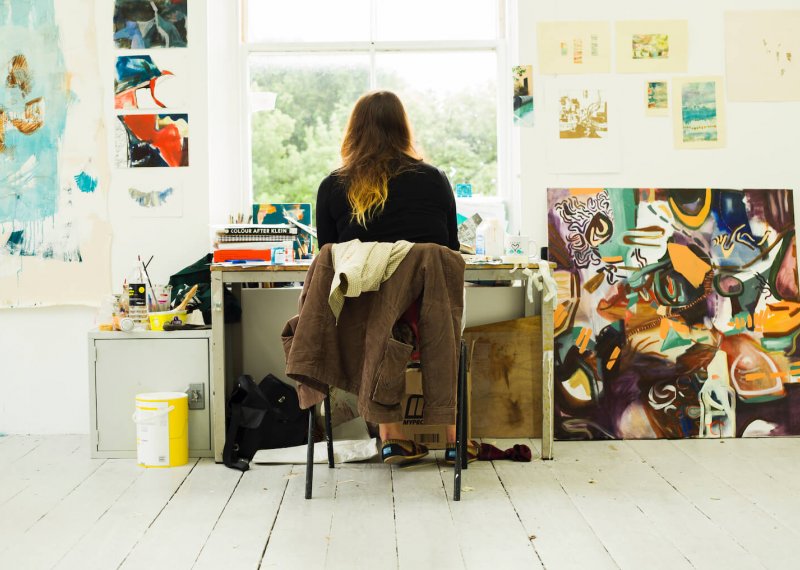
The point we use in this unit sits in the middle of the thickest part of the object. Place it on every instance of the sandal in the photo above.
(402, 451)
(473, 447)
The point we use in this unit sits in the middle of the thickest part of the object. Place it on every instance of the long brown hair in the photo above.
(377, 146)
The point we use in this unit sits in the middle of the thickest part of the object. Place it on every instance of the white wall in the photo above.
(43, 353)
(762, 146)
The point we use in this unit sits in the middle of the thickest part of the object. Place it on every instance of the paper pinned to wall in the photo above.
(761, 54)
(656, 98)
(152, 81)
(54, 238)
(574, 47)
(583, 128)
(154, 200)
(659, 46)
(698, 112)
(522, 76)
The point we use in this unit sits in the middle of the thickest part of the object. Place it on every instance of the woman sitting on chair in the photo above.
(385, 192)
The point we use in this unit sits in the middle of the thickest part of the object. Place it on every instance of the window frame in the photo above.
(503, 191)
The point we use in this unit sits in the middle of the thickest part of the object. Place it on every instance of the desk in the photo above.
(236, 275)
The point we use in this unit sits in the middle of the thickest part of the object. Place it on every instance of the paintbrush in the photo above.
(186, 299)
(145, 271)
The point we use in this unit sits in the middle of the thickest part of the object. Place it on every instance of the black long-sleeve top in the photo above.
(420, 208)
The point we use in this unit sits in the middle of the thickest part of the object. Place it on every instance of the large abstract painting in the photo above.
(54, 240)
(678, 313)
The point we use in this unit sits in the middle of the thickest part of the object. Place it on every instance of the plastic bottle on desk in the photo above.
(137, 296)
(489, 239)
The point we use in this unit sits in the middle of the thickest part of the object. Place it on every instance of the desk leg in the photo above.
(218, 363)
(547, 378)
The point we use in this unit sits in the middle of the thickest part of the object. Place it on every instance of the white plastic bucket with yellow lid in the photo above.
(162, 429)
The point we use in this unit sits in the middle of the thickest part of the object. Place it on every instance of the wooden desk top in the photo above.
(304, 266)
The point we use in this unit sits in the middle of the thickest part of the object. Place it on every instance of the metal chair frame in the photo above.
(462, 415)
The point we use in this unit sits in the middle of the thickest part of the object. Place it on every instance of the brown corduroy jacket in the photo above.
(359, 354)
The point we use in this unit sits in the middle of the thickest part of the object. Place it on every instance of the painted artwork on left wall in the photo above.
(522, 75)
(147, 141)
(143, 24)
(151, 81)
(678, 313)
(52, 183)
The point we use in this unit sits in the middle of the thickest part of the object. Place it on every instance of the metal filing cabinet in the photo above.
(122, 365)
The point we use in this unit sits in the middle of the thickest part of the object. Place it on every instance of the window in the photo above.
(308, 61)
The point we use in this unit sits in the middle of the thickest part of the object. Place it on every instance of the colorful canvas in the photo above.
(657, 98)
(152, 141)
(278, 213)
(52, 194)
(583, 114)
(762, 49)
(652, 46)
(142, 82)
(678, 313)
(523, 95)
(142, 24)
(699, 113)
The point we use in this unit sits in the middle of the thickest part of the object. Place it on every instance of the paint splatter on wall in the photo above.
(678, 314)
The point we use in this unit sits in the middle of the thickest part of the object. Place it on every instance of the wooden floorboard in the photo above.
(599, 505)
(178, 534)
(63, 526)
(601, 493)
(754, 529)
(560, 534)
(422, 508)
(46, 485)
(111, 538)
(489, 531)
(301, 535)
(239, 537)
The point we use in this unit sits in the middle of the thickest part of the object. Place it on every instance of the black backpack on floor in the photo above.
(261, 416)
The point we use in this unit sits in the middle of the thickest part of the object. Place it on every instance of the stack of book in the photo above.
(253, 242)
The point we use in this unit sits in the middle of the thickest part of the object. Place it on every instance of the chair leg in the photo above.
(328, 429)
(463, 404)
(310, 453)
(461, 435)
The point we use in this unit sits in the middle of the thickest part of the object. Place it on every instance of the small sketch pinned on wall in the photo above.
(761, 52)
(581, 126)
(143, 141)
(699, 112)
(143, 24)
(583, 114)
(145, 82)
(523, 95)
(650, 46)
(657, 99)
(574, 47)
(653, 46)
(155, 201)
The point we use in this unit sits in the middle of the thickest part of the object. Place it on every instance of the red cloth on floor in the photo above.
(520, 452)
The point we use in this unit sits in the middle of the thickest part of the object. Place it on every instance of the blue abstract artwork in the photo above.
(33, 109)
(142, 24)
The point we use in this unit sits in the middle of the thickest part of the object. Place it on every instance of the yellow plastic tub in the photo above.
(162, 429)
(157, 320)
